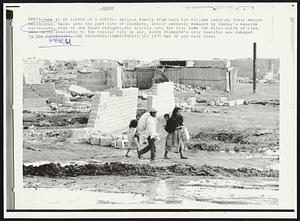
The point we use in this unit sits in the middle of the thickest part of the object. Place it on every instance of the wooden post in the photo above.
(254, 67)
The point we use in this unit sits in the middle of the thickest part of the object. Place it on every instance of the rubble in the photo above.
(205, 147)
(34, 149)
(53, 106)
(251, 140)
(223, 101)
(70, 118)
(201, 100)
(122, 169)
(189, 88)
(81, 91)
(273, 102)
(96, 137)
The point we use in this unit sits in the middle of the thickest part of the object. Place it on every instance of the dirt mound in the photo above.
(226, 136)
(121, 169)
(273, 102)
(205, 146)
(247, 140)
(55, 119)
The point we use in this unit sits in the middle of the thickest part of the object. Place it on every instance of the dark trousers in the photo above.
(150, 146)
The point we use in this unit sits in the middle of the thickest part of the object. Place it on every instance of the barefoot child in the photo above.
(133, 137)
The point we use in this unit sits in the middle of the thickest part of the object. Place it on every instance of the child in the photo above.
(133, 137)
(166, 117)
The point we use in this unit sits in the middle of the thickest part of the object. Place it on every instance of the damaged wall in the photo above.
(144, 77)
(36, 95)
(112, 111)
(161, 98)
(95, 80)
(101, 79)
(215, 78)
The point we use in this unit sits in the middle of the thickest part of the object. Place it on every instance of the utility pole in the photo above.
(254, 67)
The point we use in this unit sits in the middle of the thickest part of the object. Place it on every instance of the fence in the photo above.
(102, 79)
(144, 77)
(215, 78)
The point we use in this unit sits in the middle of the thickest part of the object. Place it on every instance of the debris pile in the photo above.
(96, 137)
(69, 118)
(189, 88)
(251, 140)
(199, 105)
(76, 90)
(31, 134)
(59, 133)
(244, 80)
(187, 105)
(122, 169)
(223, 101)
(273, 102)
(205, 147)
(203, 109)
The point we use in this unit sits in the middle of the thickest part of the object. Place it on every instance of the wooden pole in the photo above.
(254, 67)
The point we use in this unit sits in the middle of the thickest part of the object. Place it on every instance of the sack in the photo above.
(184, 134)
(143, 121)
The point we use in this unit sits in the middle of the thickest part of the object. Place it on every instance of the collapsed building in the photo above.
(37, 95)
(216, 74)
(112, 109)
(98, 75)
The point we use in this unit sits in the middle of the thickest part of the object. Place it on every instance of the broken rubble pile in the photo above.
(193, 104)
(205, 146)
(121, 169)
(60, 118)
(36, 135)
(225, 136)
(253, 140)
(81, 91)
(59, 133)
(223, 101)
(273, 102)
(189, 88)
(203, 109)
(96, 137)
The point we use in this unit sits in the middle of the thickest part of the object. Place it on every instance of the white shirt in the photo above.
(151, 127)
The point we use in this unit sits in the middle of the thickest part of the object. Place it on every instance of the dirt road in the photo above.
(233, 159)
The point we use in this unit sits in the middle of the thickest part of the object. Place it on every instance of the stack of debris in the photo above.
(223, 101)
(96, 137)
(76, 90)
(244, 80)
(189, 88)
(204, 109)
(187, 105)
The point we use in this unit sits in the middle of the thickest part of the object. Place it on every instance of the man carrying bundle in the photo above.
(148, 123)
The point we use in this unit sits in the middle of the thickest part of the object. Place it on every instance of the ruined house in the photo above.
(216, 74)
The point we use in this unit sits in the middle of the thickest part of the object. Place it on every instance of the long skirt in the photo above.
(173, 141)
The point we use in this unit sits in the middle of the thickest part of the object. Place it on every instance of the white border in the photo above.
(288, 101)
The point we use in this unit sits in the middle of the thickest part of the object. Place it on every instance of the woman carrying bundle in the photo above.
(173, 127)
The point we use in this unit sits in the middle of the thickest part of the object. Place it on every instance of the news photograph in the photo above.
(150, 109)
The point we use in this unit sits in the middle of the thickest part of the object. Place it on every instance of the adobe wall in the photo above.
(161, 98)
(112, 111)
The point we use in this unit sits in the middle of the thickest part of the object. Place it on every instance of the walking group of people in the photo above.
(174, 141)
